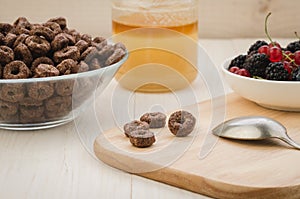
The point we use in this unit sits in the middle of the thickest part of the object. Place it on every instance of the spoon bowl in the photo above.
(253, 128)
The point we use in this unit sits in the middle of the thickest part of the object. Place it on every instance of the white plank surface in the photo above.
(158, 190)
(53, 164)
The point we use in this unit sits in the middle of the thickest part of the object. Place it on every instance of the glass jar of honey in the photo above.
(161, 37)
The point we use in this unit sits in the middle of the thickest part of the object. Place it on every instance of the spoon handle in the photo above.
(291, 142)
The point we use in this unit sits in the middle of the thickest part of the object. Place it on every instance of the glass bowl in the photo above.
(58, 99)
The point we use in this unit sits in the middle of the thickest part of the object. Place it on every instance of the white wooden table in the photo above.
(59, 163)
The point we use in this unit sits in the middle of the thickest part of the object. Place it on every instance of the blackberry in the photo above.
(257, 64)
(238, 61)
(276, 71)
(296, 75)
(293, 46)
(254, 47)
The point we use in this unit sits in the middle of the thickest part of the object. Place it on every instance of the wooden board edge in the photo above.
(194, 183)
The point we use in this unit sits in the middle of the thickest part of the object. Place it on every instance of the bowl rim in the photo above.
(66, 77)
(225, 66)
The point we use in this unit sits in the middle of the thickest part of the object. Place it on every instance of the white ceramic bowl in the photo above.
(278, 95)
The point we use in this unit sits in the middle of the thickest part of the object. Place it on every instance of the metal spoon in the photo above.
(253, 128)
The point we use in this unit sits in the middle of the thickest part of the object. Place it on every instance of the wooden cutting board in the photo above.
(231, 169)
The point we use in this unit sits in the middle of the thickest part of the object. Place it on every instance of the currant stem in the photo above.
(297, 35)
(266, 28)
(288, 57)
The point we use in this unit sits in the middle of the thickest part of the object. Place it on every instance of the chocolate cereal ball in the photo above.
(45, 70)
(76, 35)
(22, 22)
(70, 52)
(55, 27)
(31, 111)
(89, 54)
(142, 138)
(8, 108)
(135, 125)
(20, 39)
(58, 106)
(82, 67)
(41, 60)
(87, 38)
(120, 45)
(117, 55)
(95, 64)
(12, 92)
(61, 21)
(72, 40)
(105, 52)
(67, 66)
(59, 42)
(181, 123)
(6, 55)
(64, 87)
(43, 31)
(155, 119)
(10, 39)
(22, 53)
(99, 42)
(82, 45)
(16, 70)
(37, 45)
(5, 28)
(40, 90)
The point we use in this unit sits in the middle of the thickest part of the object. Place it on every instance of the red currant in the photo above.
(243, 72)
(275, 54)
(275, 49)
(297, 57)
(238, 71)
(234, 69)
(287, 67)
(265, 49)
(274, 44)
